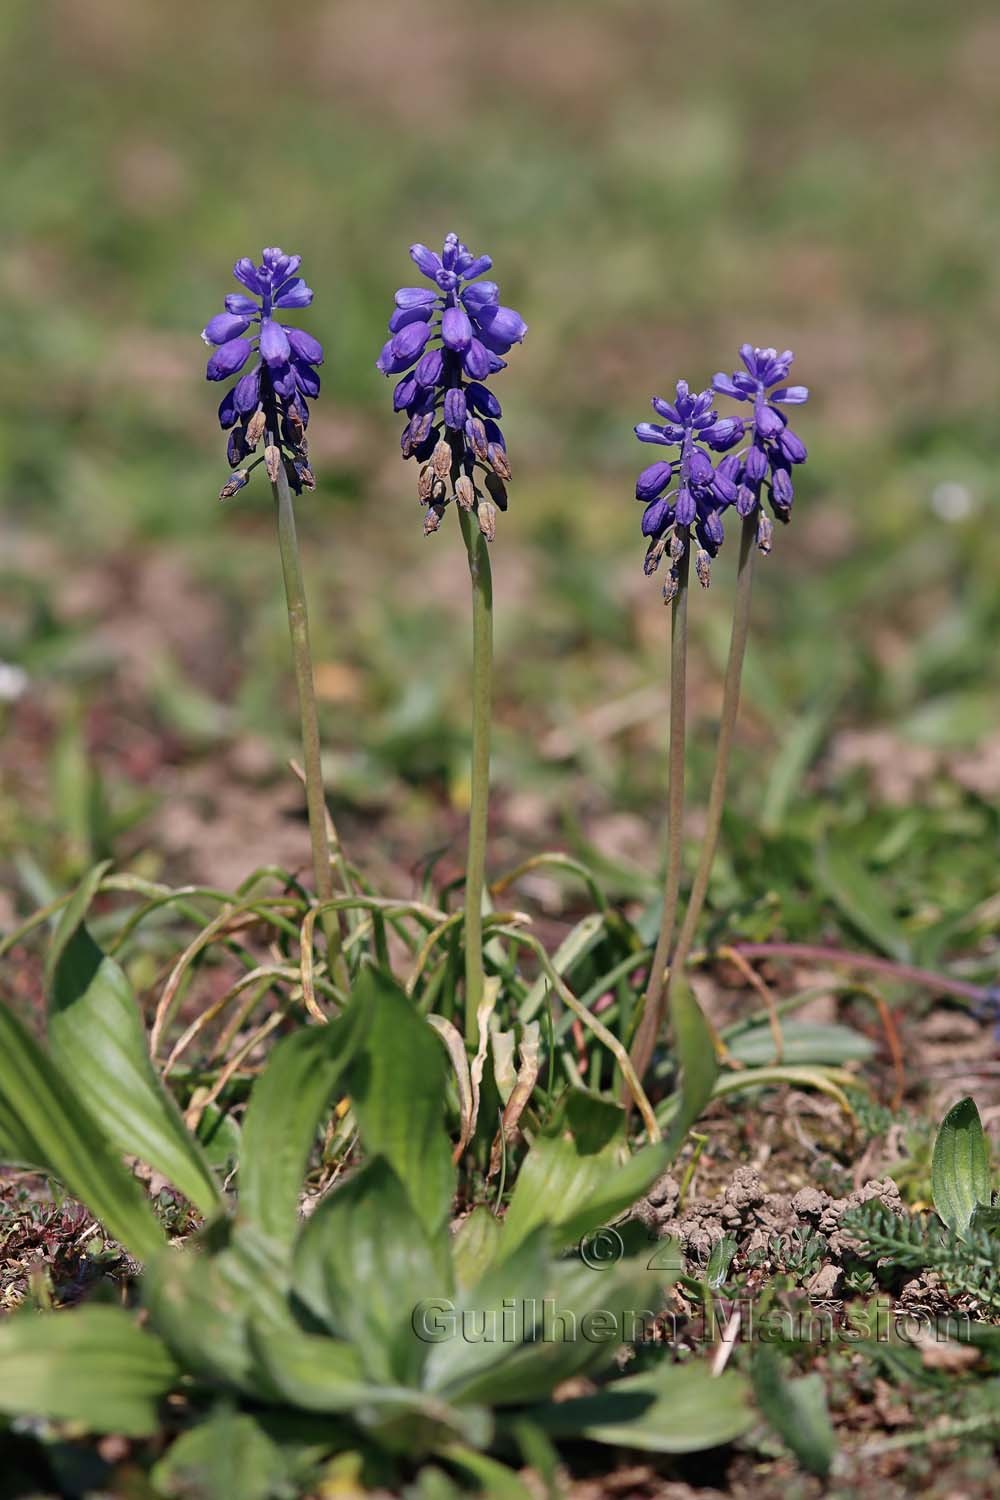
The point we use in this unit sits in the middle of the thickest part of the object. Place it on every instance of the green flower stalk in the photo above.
(268, 404)
(445, 341)
(685, 497)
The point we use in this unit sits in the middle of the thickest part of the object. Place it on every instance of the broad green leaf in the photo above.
(43, 1124)
(475, 1245)
(694, 1046)
(579, 1174)
(397, 1083)
(803, 1042)
(323, 1375)
(861, 898)
(97, 1038)
(72, 916)
(672, 1409)
(286, 1107)
(538, 1331)
(960, 1168)
(91, 1365)
(363, 1263)
(203, 1299)
(797, 1411)
(229, 1455)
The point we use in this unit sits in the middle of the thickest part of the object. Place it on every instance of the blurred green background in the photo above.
(656, 184)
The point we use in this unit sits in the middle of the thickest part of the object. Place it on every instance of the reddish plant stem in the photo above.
(818, 953)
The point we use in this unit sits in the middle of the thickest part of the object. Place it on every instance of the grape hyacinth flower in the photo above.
(688, 491)
(445, 341)
(774, 448)
(691, 491)
(268, 403)
(269, 400)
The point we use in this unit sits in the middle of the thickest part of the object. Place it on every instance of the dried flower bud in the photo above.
(677, 547)
(765, 532)
(425, 484)
(272, 463)
(255, 428)
(441, 459)
(670, 587)
(432, 520)
(439, 494)
(486, 515)
(497, 456)
(654, 556)
(233, 483)
(465, 492)
(703, 567)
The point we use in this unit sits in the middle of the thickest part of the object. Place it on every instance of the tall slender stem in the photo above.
(653, 1002)
(298, 629)
(727, 728)
(482, 705)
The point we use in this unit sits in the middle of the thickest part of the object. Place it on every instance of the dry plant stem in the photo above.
(653, 1000)
(482, 706)
(298, 627)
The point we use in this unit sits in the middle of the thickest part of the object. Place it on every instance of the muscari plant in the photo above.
(445, 341)
(258, 1311)
(370, 1328)
(686, 497)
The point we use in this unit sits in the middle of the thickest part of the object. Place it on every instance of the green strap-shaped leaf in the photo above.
(694, 1046)
(960, 1169)
(44, 1124)
(286, 1107)
(797, 1411)
(397, 1084)
(97, 1038)
(90, 1365)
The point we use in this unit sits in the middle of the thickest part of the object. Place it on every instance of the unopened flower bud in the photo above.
(272, 463)
(703, 567)
(441, 459)
(486, 515)
(476, 434)
(465, 492)
(255, 428)
(765, 532)
(233, 483)
(432, 520)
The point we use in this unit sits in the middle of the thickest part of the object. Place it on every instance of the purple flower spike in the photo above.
(774, 446)
(703, 490)
(446, 340)
(268, 403)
